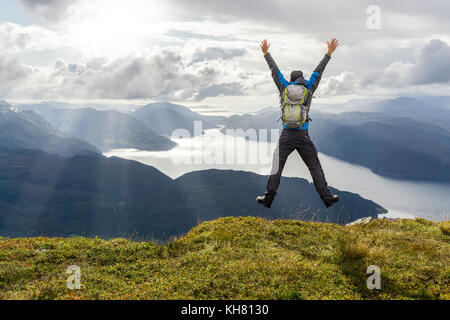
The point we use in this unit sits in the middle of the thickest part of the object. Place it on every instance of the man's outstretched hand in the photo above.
(265, 47)
(332, 46)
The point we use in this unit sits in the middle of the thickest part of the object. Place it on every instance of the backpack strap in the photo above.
(297, 112)
(305, 92)
(284, 97)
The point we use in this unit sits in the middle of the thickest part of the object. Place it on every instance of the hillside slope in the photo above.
(53, 196)
(107, 130)
(26, 129)
(390, 150)
(238, 258)
(164, 118)
(410, 108)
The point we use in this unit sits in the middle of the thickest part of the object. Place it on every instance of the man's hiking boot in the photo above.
(330, 200)
(266, 199)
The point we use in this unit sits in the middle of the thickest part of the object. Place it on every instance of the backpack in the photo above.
(294, 111)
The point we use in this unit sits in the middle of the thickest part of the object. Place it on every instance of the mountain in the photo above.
(428, 108)
(166, 121)
(105, 129)
(442, 102)
(165, 118)
(238, 259)
(409, 108)
(122, 107)
(26, 129)
(42, 194)
(227, 192)
(392, 146)
(50, 195)
(347, 106)
(391, 150)
(266, 119)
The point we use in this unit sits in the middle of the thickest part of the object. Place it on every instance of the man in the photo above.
(295, 126)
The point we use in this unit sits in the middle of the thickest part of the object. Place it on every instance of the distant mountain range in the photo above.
(442, 102)
(395, 141)
(428, 106)
(409, 108)
(391, 150)
(51, 195)
(164, 118)
(105, 129)
(400, 138)
(26, 129)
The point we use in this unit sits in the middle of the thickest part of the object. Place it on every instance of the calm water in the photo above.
(215, 150)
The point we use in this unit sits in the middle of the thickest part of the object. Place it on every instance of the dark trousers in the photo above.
(299, 140)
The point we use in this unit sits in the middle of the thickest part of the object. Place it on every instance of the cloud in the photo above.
(12, 75)
(395, 75)
(164, 74)
(15, 38)
(426, 74)
(340, 17)
(345, 83)
(432, 66)
(49, 10)
(214, 53)
(180, 74)
(199, 49)
(222, 89)
(187, 34)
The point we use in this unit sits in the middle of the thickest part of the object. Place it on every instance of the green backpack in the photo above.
(294, 111)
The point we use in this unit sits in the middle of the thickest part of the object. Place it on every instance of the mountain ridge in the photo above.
(42, 194)
(166, 117)
(107, 129)
(26, 129)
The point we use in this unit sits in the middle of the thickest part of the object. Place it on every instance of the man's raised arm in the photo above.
(277, 76)
(313, 82)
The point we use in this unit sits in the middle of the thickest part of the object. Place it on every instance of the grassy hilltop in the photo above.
(238, 258)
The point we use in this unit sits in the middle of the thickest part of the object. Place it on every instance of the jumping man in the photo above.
(295, 96)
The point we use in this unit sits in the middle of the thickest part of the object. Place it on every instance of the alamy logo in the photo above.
(374, 281)
(244, 149)
(373, 22)
(74, 281)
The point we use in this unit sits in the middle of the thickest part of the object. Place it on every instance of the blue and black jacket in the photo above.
(310, 84)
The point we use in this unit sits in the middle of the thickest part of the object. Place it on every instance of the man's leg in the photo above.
(286, 145)
(305, 147)
(284, 148)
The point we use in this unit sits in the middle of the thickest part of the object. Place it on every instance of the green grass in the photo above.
(445, 227)
(238, 258)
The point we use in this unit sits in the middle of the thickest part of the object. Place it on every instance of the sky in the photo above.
(206, 52)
